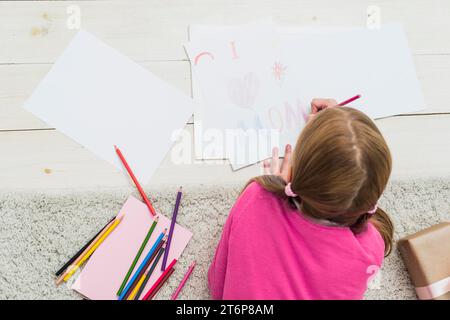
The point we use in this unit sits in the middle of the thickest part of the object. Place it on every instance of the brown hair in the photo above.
(340, 167)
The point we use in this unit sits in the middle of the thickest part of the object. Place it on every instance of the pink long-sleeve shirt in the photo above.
(269, 250)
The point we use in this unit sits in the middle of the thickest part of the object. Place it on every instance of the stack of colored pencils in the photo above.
(131, 289)
(66, 271)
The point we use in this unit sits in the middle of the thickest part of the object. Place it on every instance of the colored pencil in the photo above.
(145, 267)
(138, 255)
(343, 103)
(136, 289)
(127, 290)
(136, 182)
(111, 228)
(68, 263)
(172, 226)
(183, 282)
(149, 273)
(154, 292)
(160, 279)
(60, 279)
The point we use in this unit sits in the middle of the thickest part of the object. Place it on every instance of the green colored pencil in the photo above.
(138, 255)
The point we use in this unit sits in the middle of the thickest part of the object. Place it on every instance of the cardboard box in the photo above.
(427, 258)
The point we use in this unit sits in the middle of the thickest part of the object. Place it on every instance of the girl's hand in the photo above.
(319, 104)
(272, 166)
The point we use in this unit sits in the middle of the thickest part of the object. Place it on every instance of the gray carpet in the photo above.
(40, 231)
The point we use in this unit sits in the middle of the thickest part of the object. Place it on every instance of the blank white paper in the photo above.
(100, 98)
(374, 63)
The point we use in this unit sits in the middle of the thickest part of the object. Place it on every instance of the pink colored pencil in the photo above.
(160, 279)
(136, 182)
(183, 282)
(343, 103)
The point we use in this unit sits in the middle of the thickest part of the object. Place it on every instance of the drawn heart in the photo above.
(243, 91)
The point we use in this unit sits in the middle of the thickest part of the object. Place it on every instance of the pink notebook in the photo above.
(104, 272)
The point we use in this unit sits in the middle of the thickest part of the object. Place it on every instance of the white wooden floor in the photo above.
(34, 33)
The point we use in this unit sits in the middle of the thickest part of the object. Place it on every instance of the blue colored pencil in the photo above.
(147, 257)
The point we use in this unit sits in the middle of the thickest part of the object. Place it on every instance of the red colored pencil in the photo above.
(150, 297)
(136, 182)
(343, 103)
(160, 279)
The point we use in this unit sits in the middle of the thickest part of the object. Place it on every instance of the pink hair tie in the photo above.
(288, 191)
(373, 210)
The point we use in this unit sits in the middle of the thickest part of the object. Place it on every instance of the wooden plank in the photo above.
(49, 160)
(420, 145)
(433, 72)
(17, 82)
(37, 32)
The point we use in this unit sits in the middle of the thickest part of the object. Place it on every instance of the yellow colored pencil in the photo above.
(74, 268)
(136, 289)
(63, 275)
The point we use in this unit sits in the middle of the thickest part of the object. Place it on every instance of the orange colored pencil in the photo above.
(60, 279)
(73, 268)
(136, 182)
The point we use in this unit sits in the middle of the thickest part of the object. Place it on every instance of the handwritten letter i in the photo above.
(233, 50)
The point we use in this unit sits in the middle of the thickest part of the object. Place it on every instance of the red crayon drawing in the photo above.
(290, 117)
(279, 71)
(202, 54)
(233, 50)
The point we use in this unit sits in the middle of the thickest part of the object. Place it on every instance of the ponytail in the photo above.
(381, 222)
(272, 183)
(385, 227)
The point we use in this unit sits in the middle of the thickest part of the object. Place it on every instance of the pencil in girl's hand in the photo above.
(162, 278)
(68, 263)
(343, 103)
(183, 282)
(136, 182)
(137, 274)
(149, 273)
(138, 255)
(110, 229)
(172, 226)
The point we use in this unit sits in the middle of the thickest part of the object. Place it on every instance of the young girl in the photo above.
(313, 230)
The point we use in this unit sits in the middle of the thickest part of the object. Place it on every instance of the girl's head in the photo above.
(340, 167)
